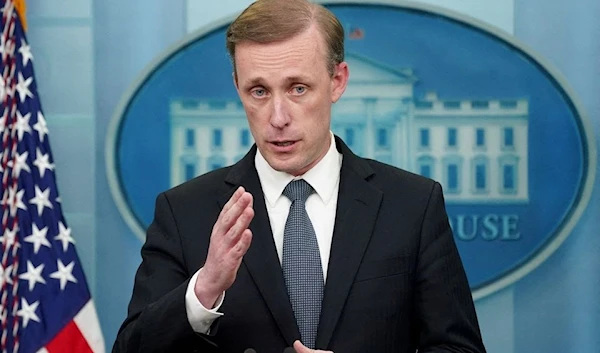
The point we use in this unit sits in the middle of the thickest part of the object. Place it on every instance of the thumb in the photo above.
(300, 348)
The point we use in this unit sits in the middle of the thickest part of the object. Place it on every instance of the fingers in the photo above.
(242, 246)
(233, 199)
(242, 223)
(300, 348)
(231, 237)
(229, 242)
(231, 212)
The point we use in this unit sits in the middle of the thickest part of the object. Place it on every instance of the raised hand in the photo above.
(229, 241)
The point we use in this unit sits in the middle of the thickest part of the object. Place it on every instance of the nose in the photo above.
(279, 113)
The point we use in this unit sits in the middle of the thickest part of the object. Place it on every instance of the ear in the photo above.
(339, 81)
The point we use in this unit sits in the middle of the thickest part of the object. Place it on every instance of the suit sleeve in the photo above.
(443, 301)
(157, 319)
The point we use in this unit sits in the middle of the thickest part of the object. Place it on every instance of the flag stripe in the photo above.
(88, 324)
(69, 340)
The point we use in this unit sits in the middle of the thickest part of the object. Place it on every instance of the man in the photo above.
(362, 259)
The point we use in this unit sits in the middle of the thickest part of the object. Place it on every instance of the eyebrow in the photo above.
(300, 78)
(259, 81)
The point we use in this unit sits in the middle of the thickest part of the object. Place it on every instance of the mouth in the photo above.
(283, 143)
(283, 146)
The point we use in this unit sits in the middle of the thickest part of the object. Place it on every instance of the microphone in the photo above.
(249, 350)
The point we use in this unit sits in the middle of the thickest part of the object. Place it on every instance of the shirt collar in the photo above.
(323, 177)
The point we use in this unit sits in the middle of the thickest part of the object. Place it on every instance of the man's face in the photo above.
(287, 94)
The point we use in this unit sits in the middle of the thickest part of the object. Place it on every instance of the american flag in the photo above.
(45, 304)
(356, 33)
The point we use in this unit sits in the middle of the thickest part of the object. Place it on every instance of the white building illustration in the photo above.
(477, 149)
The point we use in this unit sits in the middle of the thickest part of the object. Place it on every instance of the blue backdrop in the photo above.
(555, 308)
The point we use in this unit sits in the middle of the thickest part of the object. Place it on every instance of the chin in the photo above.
(284, 166)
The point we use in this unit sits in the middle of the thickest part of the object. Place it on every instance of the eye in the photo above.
(299, 90)
(259, 92)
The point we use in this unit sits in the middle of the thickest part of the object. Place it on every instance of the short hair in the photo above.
(267, 21)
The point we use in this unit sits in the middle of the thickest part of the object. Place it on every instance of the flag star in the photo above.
(64, 274)
(15, 200)
(22, 125)
(20, 164)
(41, 126)
(64, 235)
(38, 238)
(25, 51)
(8, 195)
(6, 275)
(7, 8)
(27, 312)
(41, 199)
(41, 161)
(23, 87)
(9, 236)
(33, 275)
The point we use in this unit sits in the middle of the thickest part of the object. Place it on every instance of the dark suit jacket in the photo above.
(395, 281)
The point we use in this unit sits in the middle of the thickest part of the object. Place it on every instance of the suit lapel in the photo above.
(357, 209)
(261, 259)
(358, 206)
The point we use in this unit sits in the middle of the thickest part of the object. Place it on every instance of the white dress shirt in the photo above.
(324, 177)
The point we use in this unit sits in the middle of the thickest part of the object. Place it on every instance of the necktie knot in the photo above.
(298, 190)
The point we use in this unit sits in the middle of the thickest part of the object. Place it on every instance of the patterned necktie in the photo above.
(302, 263)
